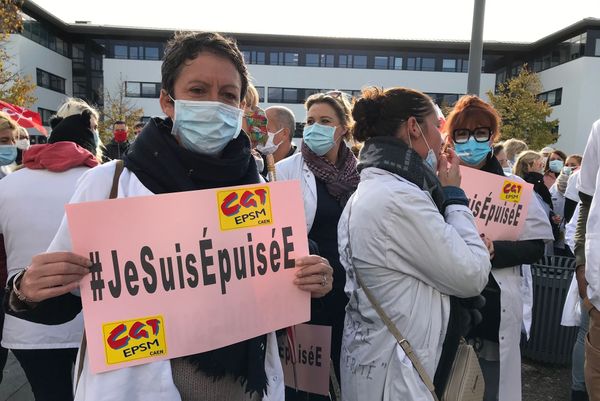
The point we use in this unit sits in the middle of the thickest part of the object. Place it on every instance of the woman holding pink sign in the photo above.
(200, 145)
(472, 127)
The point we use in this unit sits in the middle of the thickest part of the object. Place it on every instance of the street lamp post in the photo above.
(476, 48)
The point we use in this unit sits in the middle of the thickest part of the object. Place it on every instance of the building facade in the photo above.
(91, 61)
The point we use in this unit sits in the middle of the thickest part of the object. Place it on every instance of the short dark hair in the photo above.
(118, 122)
(186, 46)
(498, 148)
(139, 124)
(380, 112)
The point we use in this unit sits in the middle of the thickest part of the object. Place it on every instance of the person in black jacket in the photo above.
(119, 145)
(472, 127)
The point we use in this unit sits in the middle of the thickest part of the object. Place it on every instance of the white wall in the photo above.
(580, 106)
(27, 56)
(117, 70)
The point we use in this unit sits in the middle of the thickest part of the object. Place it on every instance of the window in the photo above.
(553, 97)
(444, 99)
(427, 64)
(152, 53)
(35, 31)
(275, 95)
(397, 63)
(261, 93)
(290, 95)
(46, 114)
(449, 65)
(352, 61)
(50, 81)
(380, 63)
(283, 58)
(135, 51)
(120, 51)
(79, 87)
(597, 49)
(142, 89)
(254, 57)
(319, 60)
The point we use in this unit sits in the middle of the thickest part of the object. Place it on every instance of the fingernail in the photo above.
(89, 263)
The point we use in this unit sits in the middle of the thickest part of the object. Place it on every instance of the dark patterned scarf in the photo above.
(341, 179)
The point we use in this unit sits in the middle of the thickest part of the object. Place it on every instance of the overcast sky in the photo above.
(505, 20)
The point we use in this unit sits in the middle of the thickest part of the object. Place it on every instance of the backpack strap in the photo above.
(114, 191)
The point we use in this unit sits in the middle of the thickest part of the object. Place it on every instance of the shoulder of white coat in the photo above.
(384, 189)
(95, 183)
(288, 168)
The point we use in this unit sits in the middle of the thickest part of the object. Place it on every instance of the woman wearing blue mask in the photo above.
(326, 168)
(8, 143)
(554, 164)
(199, 145)
(408, 238)
(472, 127)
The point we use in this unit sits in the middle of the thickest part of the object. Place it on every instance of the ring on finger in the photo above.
(324, 281)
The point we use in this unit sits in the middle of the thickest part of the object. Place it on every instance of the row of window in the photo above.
(142, 89)
(136, 51)
(39, 34)
(50, 81)
(553, 97)
(379, 62)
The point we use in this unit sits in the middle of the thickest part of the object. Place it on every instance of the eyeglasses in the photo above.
(480, 134)
(339, 95)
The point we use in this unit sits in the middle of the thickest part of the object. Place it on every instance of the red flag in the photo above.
(25, 118)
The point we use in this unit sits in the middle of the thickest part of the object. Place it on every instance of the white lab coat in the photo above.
(537, 226)
(410, 257)
(571, 315)
(294, 168)
(152, 381)
(589, 183)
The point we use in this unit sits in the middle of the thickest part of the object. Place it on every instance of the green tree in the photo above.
(524, 116)
(14, 87)
(118, 108)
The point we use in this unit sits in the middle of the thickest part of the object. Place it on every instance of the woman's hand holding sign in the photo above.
(315, 275)
(52, 274)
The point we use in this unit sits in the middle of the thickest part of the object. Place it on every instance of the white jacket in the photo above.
(537, 226)
(31, 208)
(294, 168)
(410, 257)
(589, 183)
(151, 381)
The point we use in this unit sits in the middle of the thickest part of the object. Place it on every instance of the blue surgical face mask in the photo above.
(507, 170)
(431, 159)
(206, 127)
(556, 166)
(567, 170)
(8, 154)
(472, 152)
(319, 138)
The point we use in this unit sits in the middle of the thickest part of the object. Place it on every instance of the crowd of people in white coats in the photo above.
(394, 245)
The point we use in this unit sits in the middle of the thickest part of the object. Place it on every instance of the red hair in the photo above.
(471, 107)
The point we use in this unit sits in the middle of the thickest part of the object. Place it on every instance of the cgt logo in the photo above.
(241, 208)
(134, 339)
(511, 191)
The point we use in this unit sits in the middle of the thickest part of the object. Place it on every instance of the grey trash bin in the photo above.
(550, 342)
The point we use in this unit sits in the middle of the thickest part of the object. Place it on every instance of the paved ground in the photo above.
(540, 383)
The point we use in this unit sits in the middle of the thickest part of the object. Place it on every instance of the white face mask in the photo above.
(23, 144)
(269, 147)
(206, 127)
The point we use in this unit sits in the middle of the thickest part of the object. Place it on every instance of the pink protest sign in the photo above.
(498, 203)
(190, 272)
(307, 367)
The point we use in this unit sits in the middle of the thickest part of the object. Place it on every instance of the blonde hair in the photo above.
(252, 98)
(8, 123)
(21, 131)
(73, 106)
(339, 103)
(524, 162)
(513, 147)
